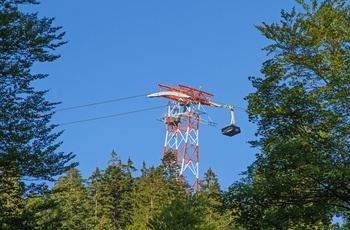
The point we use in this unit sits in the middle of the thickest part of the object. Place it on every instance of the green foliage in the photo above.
(41, 212)
(28, 143)
(114, 199)
(211, 201)
(301, 107)
(11, 200)
(182, 213)
(94, 190)
(27, 140)
(113, 195)
(155, 189)
(71, 195)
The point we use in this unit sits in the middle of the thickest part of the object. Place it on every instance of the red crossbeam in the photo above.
(196, 96)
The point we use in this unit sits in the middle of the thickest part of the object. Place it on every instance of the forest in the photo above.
(298, 180)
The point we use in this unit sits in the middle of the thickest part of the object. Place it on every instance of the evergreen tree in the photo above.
(12, 202)
(41, 211)
(115, 194)
(28, 143)
(148, 198)
(182, 213)
(130, 193)
(130, 169)
(74, 208)
(170, 171)
(211, 200)
(94, 195)
(156, 188)
(144, 170)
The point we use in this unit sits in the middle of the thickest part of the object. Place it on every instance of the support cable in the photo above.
(123, 99)
(99, 103)
(119, 114)
(109, 116)
(239, 109)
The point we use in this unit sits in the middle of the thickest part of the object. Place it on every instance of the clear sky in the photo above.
(120, 49)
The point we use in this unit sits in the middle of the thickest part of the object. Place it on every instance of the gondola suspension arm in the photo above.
(231, 129)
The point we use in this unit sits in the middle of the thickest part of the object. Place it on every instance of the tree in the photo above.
(156, 188)
(151, 195)
(114, 194)
(170, 170)
(211, 200)
(130, 193)
(301, 107)
(182, 213)
(27, 141)
(11, 201)
(94, 195)
(41, 211)
(74, 208)
(28, 146)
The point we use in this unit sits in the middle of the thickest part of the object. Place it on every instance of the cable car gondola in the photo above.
(232, 129)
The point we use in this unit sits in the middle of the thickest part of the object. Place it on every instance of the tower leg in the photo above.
(182, 124)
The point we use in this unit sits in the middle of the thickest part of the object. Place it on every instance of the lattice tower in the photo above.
(182, 119)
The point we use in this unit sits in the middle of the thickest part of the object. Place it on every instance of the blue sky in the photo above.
(118, 49)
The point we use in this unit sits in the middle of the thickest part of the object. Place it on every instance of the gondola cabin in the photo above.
(231, 130)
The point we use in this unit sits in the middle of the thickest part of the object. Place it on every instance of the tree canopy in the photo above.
(28, 142)
(301, 106)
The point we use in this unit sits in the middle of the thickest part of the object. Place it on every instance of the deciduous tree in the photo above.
(301, 107)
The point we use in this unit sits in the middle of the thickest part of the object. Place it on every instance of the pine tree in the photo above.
(74, 207)
(129, 195)
(211, 200)
(144, 170)
(156, 188)
(41, 211)
(182, 213)
(170, 172)
(94, 195)
(12, 202)
(115, 195)
(28, 142)
(148, 198)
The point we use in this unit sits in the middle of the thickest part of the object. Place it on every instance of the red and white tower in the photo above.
(182, 120)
